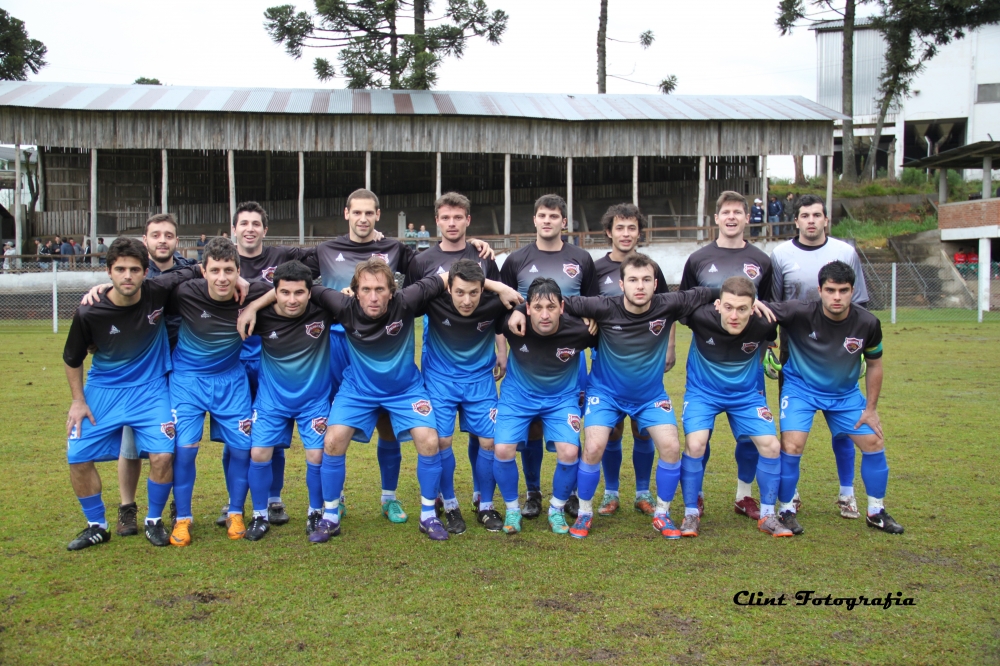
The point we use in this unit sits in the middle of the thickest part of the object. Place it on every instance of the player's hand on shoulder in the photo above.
(78, 411)
(485, 251)
(94, 295)
(246, 322)
(763, 311)
(510, 297)
(378, 235)
(242, 289)
(347, 291)
(591, 325)
(517, 323)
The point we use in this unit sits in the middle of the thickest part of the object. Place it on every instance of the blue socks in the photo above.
(531, 461)
(277, 475)
(184, 475)
(158, 494)
(225, 460)
(746, 459)
(484, 476)
(875, 473)
(587, 478)
(505, 472)
(563, 480)
(769, 479)
(333, 473)
(843, 452)
(389, 459)
(692, 477)
(473, 457)
(429, 478)
(643, 455)
(447, 475)
(93, 509)
(612, 465)
(789, 477)
(238, 478)
(668, 475)
(314, 484)
(260, 484)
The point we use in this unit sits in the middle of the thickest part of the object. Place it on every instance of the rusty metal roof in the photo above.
(101, 97)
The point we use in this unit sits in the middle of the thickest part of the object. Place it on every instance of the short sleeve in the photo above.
(873, 349)
(77, 342)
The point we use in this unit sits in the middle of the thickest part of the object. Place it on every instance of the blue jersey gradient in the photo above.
(547, 365)
(295, 358)
(721, 364)
(461, 349)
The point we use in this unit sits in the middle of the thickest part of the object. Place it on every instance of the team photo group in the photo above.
(264, 339)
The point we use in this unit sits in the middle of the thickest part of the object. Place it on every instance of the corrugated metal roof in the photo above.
(99, 97)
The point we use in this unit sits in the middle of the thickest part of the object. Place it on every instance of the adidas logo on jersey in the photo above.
(813, 335)
(796, 267)
(205, 315)
(446, 323)
(114, 330)
(340, 257)
(616, 327)
(713, 269)
(607, 280)
(524, 348)
(534, 269)
(441, 270)
(273, 336)
(710, 341)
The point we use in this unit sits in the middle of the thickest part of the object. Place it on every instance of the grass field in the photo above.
(382, 593)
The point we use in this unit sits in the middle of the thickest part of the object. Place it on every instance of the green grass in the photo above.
(382, 593)
(871, 233)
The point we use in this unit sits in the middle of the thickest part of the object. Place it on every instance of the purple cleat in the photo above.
(434, 530)
(324, 530)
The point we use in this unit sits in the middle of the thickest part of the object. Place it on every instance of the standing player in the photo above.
(710, 266)
(572, 268)
(543, 384)
(623, 224)
(796, 263)
(825, 342)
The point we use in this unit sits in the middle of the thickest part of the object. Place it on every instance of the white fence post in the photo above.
(55, 296)
(894, 293)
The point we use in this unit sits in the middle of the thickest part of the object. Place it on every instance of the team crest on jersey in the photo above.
(574, 422)
(571, 270)
(483, 325)
(752, 271)
(852, 345)
(383, 257)
(493, 414)
(423, 407)
(665, 405)
(268, 273)
(154, 316)
(765, 413)
(319, 425)
(315, 329)
(565, 353)
(168, 429)
(246, 426)
(394, 328)
(750, 347)
(656, 326)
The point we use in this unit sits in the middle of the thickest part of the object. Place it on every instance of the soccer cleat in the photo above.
(701, 506)
(156, 533)
(609, 505)
(127, 525)
(181, 535)
(312, 520)
(581, 528)
(797, 502)
(666, 527)
(512, 522)
(223, 516)
(532, 505)
(748, 507)
(433, 528)
(324, 530)
(89, 536)
(257, 528)
(454, 522)
(883, 521)
(789, 520)
(771, 525)
(393, 510)
(572, 507)
(490, 519)
(276, 514)
(848, 506)
(689, 526)
(644, 504)
(557, 521)
(235, 527)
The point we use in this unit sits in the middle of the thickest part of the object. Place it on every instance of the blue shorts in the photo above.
(408, 408)
(225, 396)
(559, 414)
(339, 358)
(146, 408)
(474, 402)
(799, 406)
(272, 426)
(749, 415)
(605, 410)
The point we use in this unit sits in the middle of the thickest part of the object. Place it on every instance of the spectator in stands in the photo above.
(961, 259)
(201, 244)
(86, 247)
(66, 250)
(102, 249)
(423, 234)
(790, 207)
(42, 251)
(756, 217)
(57, 247)
(8, 254)
(775, 210)
(410, 233)
(972, 265)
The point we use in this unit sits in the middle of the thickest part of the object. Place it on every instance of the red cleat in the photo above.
(748, 507)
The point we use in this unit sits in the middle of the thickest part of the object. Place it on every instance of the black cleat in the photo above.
(454, 522)
(173, 512)
(221, 520)
(257, 528)
(90, 536)
(276, 514)
(532, 505)
(490, 519)
(883, 521)
(127, 525)
(787, 518)
(312, 520)
(572, 507)
(157, 534)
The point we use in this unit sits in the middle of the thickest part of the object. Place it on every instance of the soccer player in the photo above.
(796, 263)
(572, 268)
(126, 385)
(452, 213)
(825, 342)
(723, 375)
(459, 368)
(208, 378)
(710, 266)
(623, 224)
(542, 384)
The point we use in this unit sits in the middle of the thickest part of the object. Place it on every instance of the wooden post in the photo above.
(93, 204)
(942, 186)
(267, 176)
(985, 262)
(987, 176)
(368, 169)
(635, 180)
(763, 186)
(702, 164)
(40, 168)
(437, 186)
(506, 194)
(18, 218)
(569, 194)
(164, 187)
(829, 189)
(232, 185)
(302, 198)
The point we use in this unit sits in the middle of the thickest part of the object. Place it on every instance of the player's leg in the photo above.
(643, 457)
(334, 472)
(486, 514)
(477, 417)
(446, 401)
(692, 475)
(611, 463)
(768, 481)
(797, 411)
(155, 436)
(603, 414)
(507, 478)
(515, 412)
(843, 454)
(312, 426)
(189, 397)
(746, 456)
(425, 439)
(563, 481)
(390, 458)
(129, 470)
(668, 476)
(531, 461)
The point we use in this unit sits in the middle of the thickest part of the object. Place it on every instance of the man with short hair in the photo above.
(200, 244)
(795, 265)
(757, 216)
(422, 235)
(408, 234)
(775, 209)
(825, 342)
(66, 251)
(572, 268)
(101, 249)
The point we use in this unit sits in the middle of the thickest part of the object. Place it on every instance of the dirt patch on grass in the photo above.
(578, 602)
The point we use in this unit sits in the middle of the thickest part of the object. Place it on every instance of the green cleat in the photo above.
(557, 521)
(393, 510)
(512, 524)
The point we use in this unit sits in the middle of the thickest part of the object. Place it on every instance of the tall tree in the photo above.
(146, 81)
(646, 38)
(372, 45)
(19, 54)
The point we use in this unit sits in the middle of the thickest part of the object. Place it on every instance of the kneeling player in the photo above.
(826, 338)
(723, 370)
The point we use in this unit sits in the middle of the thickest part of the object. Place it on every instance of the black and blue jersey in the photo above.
(545, 366)
(721, 364)
(434, 261)
(295, 357)
(462, 349)
(607, 275)
(571, 267)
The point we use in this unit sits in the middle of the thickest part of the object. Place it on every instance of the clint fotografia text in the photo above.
(809, 597)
